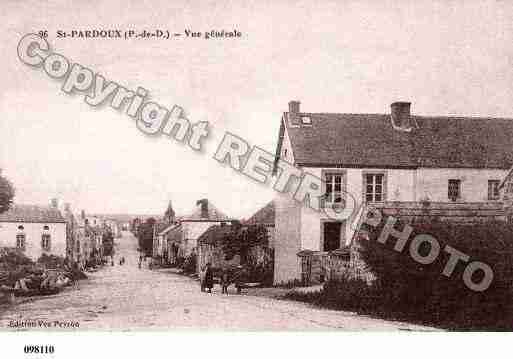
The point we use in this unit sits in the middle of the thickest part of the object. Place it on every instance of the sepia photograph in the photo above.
(255, 166)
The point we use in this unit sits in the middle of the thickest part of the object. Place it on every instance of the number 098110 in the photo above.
(39, 349)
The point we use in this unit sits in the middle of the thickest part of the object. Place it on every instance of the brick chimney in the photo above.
(400, 116)
(54, 203)
(296, 119)
(204, 207)
(294, 107)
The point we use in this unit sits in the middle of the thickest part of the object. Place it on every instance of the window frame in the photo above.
(459, 187)
(46, 241)
(495, 187)
(384, 185)
(343, 184)
(21, 241)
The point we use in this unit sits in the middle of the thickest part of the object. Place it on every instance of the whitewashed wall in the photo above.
(288, 239)
(298, 227)
(33, 232)
(433, 182)
(400, 187)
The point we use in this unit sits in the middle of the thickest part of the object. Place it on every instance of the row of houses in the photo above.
(55, 230)
(453, 168)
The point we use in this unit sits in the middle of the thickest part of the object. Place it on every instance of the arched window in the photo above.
(46, 244)
(21, 238)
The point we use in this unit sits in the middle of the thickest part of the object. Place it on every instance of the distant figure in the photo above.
(225, 281)
(202, 278)
(209, 277)
(140, 261)
(239, 279)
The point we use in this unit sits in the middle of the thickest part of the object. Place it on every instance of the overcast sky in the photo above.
(446, 57)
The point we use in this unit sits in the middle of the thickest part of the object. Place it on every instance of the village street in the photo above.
(128, 298)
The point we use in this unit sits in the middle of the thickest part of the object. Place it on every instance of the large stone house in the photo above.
(34, 230)
(381, 158)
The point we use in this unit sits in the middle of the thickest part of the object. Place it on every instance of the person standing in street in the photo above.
(202, 272)
(239, 279)
(209, 277)
(225, 280)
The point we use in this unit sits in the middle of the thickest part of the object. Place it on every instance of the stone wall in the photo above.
(445, 211)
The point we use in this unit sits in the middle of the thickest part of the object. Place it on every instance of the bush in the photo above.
(290, 284)
(406, 290)
(11, 258)
(421, 292)
(14, 265)
(51, 261)
(345, 293)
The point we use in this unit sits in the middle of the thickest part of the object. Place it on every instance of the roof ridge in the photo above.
(457, 117)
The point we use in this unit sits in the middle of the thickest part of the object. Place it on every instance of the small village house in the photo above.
(160, 251)
(210, 247)
(180, 239)
(265, 216)
(71, 231)
(169, 244)
(196, 223)
(211, 242)
(87, 242)
(382, 159)
(34, 230)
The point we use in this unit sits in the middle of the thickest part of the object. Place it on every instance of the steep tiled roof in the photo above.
(214, 234)
(369, 140)
(264, 215)
(32, 214)
(164, 230)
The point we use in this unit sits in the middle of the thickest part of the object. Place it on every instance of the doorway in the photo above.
(332, 232)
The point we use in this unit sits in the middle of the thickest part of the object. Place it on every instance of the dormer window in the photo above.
(306, 120)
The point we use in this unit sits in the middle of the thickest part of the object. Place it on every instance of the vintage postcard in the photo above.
(274, 166)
